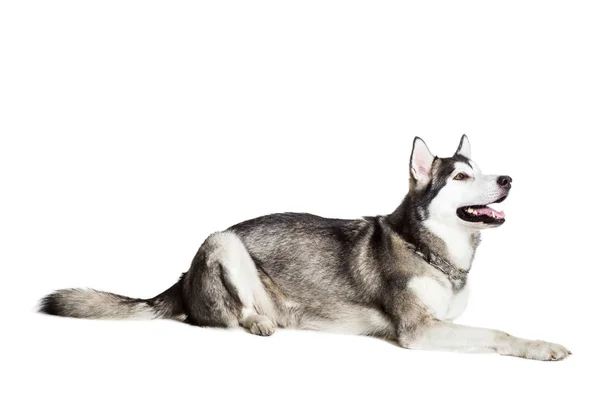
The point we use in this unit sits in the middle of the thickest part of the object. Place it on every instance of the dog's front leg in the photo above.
(439, 335)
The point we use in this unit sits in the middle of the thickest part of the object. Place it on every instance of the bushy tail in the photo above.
(94, 304)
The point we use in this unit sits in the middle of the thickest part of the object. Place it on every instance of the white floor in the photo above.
(74, 359)
(131, 130)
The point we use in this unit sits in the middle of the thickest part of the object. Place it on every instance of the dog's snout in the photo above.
(504, 181)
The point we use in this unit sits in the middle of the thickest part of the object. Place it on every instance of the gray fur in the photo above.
(318, 272)
(303, 271)
(95, 304)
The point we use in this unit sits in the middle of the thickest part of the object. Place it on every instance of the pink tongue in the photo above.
(488, 211)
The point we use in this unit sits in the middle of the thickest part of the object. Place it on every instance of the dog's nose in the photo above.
(504, 181)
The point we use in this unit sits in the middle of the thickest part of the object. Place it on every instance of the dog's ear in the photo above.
(421, 161)
(464, 148)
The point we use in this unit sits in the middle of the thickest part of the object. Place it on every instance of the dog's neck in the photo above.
(454, 244)
(460, 244)
(456, 276)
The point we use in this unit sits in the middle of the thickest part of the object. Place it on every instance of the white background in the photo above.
(132, 130)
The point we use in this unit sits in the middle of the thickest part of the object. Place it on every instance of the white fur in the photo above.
(355, 320)
(442, 302)
(258, 324)
(457, 240)
(532, 349)
(231, 253)
(433, 294)
(144, 313)
(477, 189)
(458, 304)
(453, 337)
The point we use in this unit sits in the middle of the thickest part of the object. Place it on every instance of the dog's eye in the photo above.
(460, 176)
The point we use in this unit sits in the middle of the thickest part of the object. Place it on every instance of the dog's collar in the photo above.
(457, 276)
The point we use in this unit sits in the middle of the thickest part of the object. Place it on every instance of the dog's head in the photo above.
(453, 191)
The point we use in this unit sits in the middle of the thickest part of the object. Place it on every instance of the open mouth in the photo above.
(482, 213)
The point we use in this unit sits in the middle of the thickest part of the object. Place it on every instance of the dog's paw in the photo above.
(262, 327)
(537, 350)
(545, 351)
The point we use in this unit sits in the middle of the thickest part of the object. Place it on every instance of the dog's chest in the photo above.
(438, 297)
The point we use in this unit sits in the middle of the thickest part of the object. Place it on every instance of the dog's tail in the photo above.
(94, 304)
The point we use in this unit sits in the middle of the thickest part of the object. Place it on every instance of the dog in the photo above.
(401, 277)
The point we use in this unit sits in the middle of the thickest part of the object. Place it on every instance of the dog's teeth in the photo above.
(493, 214)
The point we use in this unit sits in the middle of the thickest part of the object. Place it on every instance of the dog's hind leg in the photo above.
(256, 323)
(225, 288)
